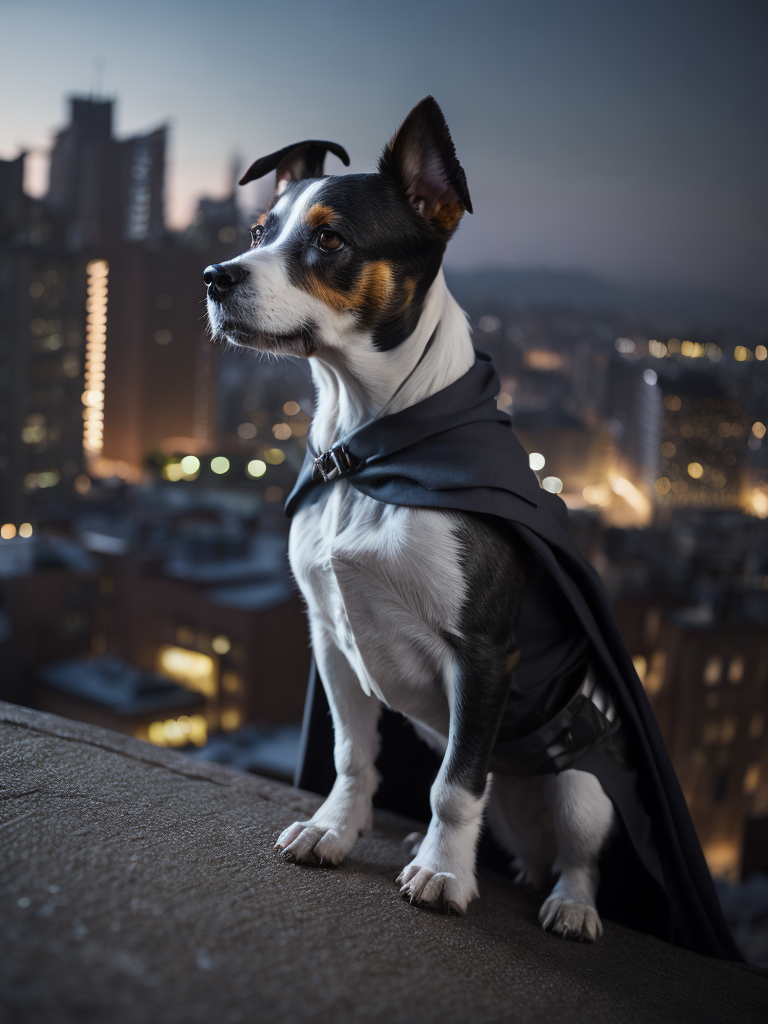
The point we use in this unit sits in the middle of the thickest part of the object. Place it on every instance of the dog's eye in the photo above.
(257, 233)
(329, 241)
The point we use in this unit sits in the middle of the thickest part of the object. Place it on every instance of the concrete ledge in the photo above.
(139, 886)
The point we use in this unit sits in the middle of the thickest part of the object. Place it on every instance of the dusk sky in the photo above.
(626, 139)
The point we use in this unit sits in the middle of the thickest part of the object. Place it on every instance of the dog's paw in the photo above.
(305, 843)
(570, 919)
(438, 890)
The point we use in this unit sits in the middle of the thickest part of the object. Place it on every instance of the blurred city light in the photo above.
(553, 484)
(256, 468)
(192, 669)
(220, 464)
(536, 461)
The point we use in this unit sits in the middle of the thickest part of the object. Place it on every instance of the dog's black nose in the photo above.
(222, 277)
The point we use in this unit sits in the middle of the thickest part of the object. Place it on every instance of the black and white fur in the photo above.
(409, 607)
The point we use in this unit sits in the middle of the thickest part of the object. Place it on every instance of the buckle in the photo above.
(330, 465)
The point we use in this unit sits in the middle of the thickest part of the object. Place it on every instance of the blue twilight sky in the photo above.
(629, 139)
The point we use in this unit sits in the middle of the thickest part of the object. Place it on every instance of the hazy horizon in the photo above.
(626, 143)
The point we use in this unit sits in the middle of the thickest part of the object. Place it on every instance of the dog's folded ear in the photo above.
(421, 160)
(296, 162)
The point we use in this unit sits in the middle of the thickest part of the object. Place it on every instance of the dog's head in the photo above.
(339, 261)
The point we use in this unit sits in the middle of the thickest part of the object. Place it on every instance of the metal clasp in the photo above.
(330, 465)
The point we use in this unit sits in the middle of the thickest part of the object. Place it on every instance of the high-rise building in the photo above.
(104, 355)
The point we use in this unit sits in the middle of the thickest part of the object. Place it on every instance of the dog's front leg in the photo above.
(332, 831)
(442, 873)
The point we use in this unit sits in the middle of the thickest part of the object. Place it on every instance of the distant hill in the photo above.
(687, 307)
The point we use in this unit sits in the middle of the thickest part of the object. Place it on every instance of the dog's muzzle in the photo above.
(330, 465)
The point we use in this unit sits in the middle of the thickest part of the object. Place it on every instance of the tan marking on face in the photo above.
(409, 287)
(318, 215)
(447, 217)
(511, 663)
(261, 220)
(373, 288)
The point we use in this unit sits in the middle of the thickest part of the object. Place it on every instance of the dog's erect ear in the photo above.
(421, 160)
(296, 162)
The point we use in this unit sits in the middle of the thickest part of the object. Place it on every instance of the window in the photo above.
(192, 669)
(728, 729)
(713, 670)
(736, 669)
(641, 666)
(654, 679)
(751, 779)
(710, 732)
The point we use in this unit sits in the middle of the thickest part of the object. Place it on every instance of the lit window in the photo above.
(713, 670)
(654, 679)
(230, 682)
(192, 669)
(641, 666)
(728, 729)
(177, 732)
(751, 779)
(231, 718)
(736, 670)
(710, 732)
(95, 350)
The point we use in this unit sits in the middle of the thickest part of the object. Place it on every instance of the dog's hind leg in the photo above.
(332, 831)
(582, 818)
(519, 818)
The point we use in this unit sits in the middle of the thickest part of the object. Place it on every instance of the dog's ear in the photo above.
(421, 160)
(296, 162)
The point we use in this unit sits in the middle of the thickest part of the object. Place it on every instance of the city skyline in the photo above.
(627, 144)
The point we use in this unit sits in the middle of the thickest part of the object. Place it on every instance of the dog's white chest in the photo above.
(385, 582)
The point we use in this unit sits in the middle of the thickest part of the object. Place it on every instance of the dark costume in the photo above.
(456, 450)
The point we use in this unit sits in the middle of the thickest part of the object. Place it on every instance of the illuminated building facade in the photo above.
(95, 356)
(42, 328)
(704, 445)
(708, 681)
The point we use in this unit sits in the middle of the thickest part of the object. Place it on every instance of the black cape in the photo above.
(456, 450)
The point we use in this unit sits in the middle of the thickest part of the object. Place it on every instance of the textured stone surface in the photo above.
(136, 885)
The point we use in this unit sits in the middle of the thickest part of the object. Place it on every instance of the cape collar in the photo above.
(461, 410)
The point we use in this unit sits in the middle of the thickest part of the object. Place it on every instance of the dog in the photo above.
(411, 608)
